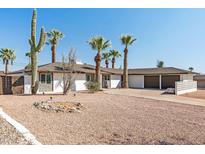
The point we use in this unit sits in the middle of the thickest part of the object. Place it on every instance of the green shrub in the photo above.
(92, 86)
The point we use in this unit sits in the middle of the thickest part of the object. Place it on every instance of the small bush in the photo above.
(92, 86)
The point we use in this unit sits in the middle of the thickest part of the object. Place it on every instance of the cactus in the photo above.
(35, 49)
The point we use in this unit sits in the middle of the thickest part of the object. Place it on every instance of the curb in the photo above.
(20, 128)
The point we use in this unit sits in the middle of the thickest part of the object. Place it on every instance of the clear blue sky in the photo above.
(176, 36)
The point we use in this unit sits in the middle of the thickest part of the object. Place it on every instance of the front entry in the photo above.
(46, 82)
(106, 82)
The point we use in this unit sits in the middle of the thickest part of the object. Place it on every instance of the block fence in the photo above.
(182, 87)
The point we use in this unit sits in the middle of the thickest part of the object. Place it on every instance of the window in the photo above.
(89, 77)
(48, 78)
(107, 77)
(45, 78)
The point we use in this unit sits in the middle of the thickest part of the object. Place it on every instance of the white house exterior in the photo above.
(83, 74)
(51, 78)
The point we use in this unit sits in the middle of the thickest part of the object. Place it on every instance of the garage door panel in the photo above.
(168, 81)
(151, 81)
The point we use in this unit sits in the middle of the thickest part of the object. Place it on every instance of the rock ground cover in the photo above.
(9, 135)
(110, 119)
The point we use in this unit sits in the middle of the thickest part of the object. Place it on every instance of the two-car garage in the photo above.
(167, 81)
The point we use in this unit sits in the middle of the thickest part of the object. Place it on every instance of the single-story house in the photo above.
(51, 78)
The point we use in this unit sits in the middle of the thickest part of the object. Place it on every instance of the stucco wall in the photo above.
(186, 77)
(58, 82)
(115, 81)
(136, 81)
(27, 84)
(79, 84)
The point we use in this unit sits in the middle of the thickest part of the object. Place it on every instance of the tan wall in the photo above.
(16, 85)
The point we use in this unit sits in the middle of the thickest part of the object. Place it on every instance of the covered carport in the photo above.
(168, 81)
(151, 81)
(158, 78)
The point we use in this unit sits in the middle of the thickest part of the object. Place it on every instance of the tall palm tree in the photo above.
(114, 54)
(126, 40)
(98, 43)
(160, 64)
(7, 55)
(53, 37)
(106, 57)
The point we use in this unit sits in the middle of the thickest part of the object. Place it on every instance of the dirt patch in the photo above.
(200, 94)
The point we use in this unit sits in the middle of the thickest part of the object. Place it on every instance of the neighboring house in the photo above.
(51, 78)
(200, 80)
(11, 84)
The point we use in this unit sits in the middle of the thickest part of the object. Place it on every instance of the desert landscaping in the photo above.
(109, 119)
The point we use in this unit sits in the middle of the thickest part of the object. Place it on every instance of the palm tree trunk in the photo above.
(97, 69)
(125, 71)
(113, 62)
(6, 66)
(6, 72)
(53, 48)
(106, 63)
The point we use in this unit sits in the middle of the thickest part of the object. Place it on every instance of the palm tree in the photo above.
(106, 57)
(160, 63)
(191, 69)
(98, 43)
(114, 54)
(53, 37)
(7, 55)
(126, 40)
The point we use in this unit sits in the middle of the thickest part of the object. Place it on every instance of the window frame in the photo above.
(45, 78)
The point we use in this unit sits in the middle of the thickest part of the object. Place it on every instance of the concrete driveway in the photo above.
(156, 95)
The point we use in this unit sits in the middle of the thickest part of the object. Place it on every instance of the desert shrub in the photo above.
(92, 86)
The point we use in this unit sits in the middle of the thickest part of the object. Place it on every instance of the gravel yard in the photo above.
(110, 119)
(9, 135)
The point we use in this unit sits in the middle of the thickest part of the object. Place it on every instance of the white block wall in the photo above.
(136, 81)
(115, 81)
(186, 77)
(182, 87)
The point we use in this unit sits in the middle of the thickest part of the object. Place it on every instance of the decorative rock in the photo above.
(58, 106)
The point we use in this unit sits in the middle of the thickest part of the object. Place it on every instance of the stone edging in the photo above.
(20, 128)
